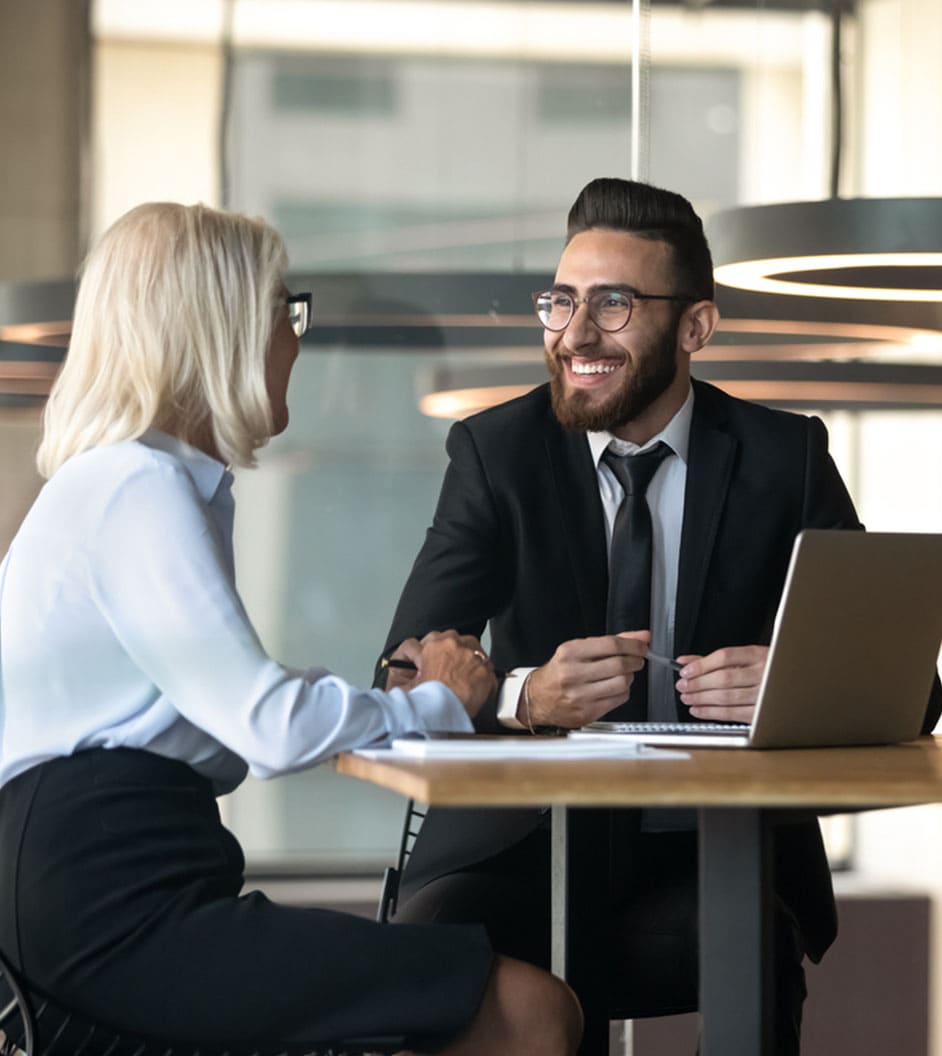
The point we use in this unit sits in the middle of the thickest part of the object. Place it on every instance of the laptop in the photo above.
(853, 653)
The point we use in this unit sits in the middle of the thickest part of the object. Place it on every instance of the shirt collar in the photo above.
(676, 434)
(208, 474)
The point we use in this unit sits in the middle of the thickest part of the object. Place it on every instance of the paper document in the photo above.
(484, 746)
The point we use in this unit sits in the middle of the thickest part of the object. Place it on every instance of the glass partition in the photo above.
(421, 163)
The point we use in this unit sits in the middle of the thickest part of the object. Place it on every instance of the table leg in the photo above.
(735, 932)
(579, 898)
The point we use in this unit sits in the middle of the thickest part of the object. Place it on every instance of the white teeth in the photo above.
(592, 368)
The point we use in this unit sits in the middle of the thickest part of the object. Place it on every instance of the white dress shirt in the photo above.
(665, 497)
(120, 626)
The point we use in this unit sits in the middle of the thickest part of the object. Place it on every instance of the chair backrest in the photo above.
(389, 896)
(17, 1030)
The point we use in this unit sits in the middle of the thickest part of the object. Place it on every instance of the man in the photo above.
(530, 514)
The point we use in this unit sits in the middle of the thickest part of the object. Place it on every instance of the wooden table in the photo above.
(737, 793)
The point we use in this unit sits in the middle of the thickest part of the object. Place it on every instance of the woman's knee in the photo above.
(535, 995)
(524, 1010)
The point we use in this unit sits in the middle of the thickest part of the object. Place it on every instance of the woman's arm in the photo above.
(160, 576)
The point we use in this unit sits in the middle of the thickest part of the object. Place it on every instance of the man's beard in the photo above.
(652, 376)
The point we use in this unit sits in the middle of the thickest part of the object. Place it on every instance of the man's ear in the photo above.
(697, 325)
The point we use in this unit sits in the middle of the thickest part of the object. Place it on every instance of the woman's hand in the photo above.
(404, 677)
(457, 660)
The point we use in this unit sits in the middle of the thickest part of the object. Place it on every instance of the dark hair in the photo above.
(649, 212)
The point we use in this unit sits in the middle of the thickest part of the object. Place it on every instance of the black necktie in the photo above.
(629, 576)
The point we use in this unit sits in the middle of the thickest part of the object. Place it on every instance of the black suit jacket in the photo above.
(518, 541)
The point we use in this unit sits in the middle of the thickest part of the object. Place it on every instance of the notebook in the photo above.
(853, 653)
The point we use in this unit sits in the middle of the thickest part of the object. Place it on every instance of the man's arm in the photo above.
(723, 686)
(459, 578)
(466, 573)
(829, 506)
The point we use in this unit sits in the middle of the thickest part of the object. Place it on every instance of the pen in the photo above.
(404, 665)
(408, 665)
(656, 658)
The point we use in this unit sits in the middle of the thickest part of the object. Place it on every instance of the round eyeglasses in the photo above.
(610, 310)
(299, 312)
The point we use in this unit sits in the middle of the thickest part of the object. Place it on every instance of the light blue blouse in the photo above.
(120, 626)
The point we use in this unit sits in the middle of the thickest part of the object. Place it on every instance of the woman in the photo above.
(133, 689)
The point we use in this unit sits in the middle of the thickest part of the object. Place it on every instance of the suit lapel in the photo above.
(712, 453)
(578, 506)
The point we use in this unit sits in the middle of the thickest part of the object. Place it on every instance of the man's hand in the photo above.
(446, 656)
(724, 685)
(584, 680)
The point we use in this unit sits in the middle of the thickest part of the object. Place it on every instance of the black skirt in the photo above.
(119, 897)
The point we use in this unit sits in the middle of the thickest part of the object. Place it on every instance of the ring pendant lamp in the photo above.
(863, 249)
(874, 249)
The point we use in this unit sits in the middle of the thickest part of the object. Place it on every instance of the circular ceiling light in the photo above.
(883, 249)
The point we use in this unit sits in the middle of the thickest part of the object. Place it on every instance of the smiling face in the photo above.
(633, 381)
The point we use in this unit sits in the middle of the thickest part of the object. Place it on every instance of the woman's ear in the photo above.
(697, 325)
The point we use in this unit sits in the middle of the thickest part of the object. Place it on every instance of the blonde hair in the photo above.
(172, 322)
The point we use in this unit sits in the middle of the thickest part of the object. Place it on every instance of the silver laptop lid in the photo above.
(856, 641)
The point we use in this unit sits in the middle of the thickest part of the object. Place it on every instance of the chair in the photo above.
(32, 1024)
(392, 877)
(16, 1020)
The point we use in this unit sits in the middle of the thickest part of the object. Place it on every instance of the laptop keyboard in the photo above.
(737, 729)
